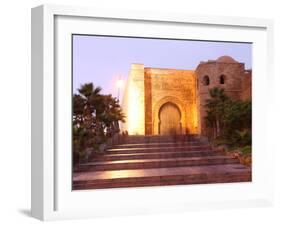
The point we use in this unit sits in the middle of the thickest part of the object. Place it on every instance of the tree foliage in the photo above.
(95, 119)
(230, 120)
(215, 106)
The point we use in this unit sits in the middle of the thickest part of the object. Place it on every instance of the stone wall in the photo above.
(227, 74)
(133, 101)
(174, 86)
(148, 89)
(246, 93)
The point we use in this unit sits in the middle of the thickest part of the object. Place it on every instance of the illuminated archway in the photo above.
(180, 106)
(169, 119)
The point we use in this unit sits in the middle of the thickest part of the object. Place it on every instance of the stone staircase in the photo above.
(159, 160)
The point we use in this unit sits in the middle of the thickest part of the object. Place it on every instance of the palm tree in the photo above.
(112, 114)
(95, 117)
(88, 90)
(91, 96)
(229, 119)
(215, 108)
(78, 108)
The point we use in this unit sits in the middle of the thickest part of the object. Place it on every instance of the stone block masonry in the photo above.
(159, 101)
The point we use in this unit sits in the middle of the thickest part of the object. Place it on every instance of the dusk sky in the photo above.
(102, 60)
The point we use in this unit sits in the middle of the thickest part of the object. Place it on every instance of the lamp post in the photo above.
(119, 85)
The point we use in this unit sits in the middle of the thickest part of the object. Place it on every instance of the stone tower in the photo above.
(226, 73)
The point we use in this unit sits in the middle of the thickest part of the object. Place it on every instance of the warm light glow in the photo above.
(121, 173)
(133, 102)
(120, 83)
(134, 111)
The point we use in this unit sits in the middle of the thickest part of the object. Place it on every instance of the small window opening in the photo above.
(206, 80)
(222, 79)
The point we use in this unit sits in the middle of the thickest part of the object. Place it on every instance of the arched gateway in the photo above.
(148, 90)
(169, 119)
(169, 116)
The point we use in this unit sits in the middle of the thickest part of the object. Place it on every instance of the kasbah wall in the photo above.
(151, 93)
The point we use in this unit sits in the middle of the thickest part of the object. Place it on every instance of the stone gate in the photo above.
(159, 101)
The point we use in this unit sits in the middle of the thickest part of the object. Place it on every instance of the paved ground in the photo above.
(153, 161)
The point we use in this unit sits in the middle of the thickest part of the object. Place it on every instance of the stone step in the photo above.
(156, 155)
(157, 149)
(162, 144)
(162, 176)
(132, 139)
(155, 163)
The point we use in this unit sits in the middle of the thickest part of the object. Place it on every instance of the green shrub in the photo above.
(221, 141)
(246, 150)
(229, 120)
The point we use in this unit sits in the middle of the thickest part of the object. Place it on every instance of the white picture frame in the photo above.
(52, 197)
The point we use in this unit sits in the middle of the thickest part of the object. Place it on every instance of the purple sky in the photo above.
(102, 60)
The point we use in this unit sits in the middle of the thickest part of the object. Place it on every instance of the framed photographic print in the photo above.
(136, 113)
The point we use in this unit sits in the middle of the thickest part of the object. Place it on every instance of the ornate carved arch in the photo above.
(156, 108)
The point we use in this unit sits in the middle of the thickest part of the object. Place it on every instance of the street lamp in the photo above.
(119, 84)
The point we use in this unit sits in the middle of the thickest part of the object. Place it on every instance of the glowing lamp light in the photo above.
(120, 83)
